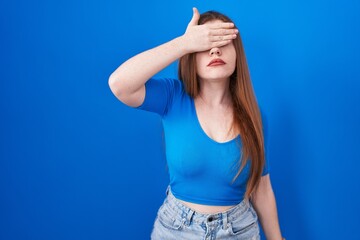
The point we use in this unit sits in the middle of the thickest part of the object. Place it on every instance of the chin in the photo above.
(217, 76)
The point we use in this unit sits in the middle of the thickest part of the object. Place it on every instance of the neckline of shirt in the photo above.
(202, 130)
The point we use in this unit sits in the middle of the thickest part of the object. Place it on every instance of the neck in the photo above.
(215, 93)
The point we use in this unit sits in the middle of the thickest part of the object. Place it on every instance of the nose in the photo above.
(215, 50)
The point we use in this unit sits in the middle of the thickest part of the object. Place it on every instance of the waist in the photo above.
(201, 209)
(207, 198)
(205, 209)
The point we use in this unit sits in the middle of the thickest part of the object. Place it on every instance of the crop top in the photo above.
(200, 169)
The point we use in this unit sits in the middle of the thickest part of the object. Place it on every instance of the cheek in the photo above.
(234, 61)
(200, 58)
(200, 62)
(232, 57)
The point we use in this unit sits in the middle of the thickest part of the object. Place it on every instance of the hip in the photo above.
(175, 220)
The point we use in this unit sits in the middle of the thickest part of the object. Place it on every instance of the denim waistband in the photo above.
(188, 215)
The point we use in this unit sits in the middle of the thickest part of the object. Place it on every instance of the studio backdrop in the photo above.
(76, 163)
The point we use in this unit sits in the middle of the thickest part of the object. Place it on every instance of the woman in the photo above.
(219, 182)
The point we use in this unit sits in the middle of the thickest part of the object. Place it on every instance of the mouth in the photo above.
(216, 62)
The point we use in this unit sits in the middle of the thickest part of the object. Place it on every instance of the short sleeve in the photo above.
(160, 94)
(266, 168)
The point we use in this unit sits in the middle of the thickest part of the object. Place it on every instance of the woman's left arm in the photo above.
(264, 203)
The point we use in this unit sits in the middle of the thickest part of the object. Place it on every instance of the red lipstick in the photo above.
(216, 61)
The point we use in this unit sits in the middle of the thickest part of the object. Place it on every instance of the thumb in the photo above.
(195, 18)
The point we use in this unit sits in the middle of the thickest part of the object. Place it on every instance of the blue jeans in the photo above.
(176, 221)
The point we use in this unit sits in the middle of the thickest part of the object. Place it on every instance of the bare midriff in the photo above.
(207, 209)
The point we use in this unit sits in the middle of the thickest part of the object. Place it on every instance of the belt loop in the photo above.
(189, 216)
(225, 220)
(167, 190)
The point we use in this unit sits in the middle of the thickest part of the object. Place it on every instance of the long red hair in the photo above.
(247, 116)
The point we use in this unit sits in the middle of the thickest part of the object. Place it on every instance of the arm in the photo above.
(127, 82)
(131, 76)
(264, 203)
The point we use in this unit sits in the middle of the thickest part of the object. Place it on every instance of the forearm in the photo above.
(265, 205)
(133, 73)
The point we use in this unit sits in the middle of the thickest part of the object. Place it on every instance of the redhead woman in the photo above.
(214, 133)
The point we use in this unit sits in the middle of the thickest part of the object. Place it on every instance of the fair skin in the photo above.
(213, 105)
(263, 200)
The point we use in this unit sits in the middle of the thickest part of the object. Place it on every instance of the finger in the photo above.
(221, 43)
(222, 38)
(219, 32)
(222, 25)
(195, 18)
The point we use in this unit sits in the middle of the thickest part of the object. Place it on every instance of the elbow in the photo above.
(111, 81)
(114, 85)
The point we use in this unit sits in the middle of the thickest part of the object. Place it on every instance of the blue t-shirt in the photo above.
(201, 170)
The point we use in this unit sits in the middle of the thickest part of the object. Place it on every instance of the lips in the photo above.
(216, 61)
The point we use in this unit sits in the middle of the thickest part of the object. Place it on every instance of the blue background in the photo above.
(76, 163)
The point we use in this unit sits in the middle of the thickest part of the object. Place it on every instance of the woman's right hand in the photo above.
(198, 38)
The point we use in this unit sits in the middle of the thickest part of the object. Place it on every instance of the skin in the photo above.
(214, 111)
(213, 105)
(210, 115)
